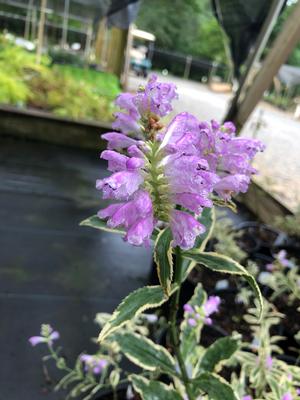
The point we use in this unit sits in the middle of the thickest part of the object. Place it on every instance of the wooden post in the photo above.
(27, 21)
(254, 56)
(41, 31)
(116, 51)
(124, 80)
(64, 36)
(101, 44)
(88, 41)
(282, 47)
(33, 24)
(187, 68)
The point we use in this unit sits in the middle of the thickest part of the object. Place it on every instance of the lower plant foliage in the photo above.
(167, 182)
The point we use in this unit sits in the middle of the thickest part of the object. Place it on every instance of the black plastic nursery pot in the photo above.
(258, 238)
(119, 395)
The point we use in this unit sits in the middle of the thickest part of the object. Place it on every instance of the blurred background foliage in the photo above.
(188, 27)
(65, 90)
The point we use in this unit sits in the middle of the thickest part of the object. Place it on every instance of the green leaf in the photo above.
(95, 222)
(221, 349)
(207, 218)
(225, 203)
(190, 336)
(144, 352)
(134, 304)
(163, 259)
(215, 386)
(153, 390)
(219, 263)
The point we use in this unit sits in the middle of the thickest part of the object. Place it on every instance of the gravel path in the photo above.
(279, 165)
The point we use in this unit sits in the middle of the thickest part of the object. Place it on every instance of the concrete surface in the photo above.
(52, 270)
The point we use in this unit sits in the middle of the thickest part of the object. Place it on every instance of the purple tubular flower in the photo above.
(140, 232)
(192, 201)
(188, 308)
(34, 340)
(208, 321)
(287, 396)
(229, 127)
(232, 184)
(118, 141)
(248, 397)
(156, 97)
(211, 305)
(120, 186)
(192, 322)
(158, 171)
(270, 267)
(116, 161)
(48, 337)
(93, 363)
(126, 101)
(185, 228)
(281, 256)
(126, 123)
(269, 362)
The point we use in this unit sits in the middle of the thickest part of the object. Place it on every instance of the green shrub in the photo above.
(13, 90)
(64, 90)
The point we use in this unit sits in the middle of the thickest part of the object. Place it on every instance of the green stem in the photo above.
(173, 328)
(56, 358)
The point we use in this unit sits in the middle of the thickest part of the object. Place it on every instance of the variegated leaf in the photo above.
(215, 387)
(163, 259)
(153, 390)
(95, 222)
(220, 263)
(134, 304)
(144, 352)
(222, 349)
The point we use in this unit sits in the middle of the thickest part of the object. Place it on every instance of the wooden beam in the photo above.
(41, 31)
(285, 42)
(254, 56)
(116, 51)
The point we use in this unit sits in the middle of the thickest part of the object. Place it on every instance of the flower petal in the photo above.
(185, 228)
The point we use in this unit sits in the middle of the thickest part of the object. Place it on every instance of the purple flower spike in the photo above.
(47, 337)
(192, 322)
(167, 175)
(248, 397)
(93, 363)
(188, 308)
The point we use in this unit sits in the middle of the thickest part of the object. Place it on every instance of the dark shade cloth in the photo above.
(242, 21)
(89, 9)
